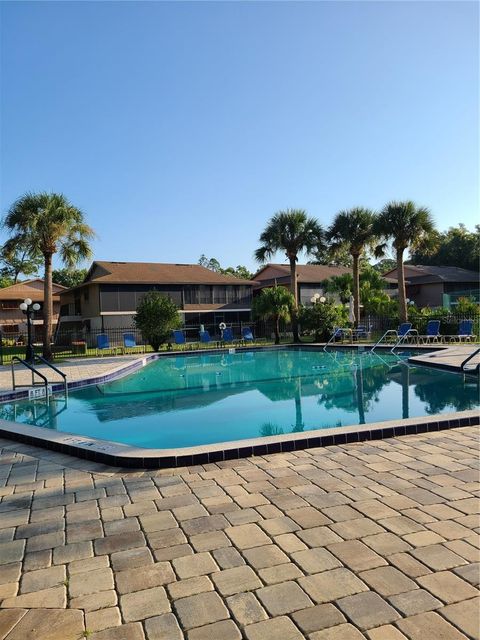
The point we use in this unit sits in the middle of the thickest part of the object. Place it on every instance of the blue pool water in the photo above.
(188, 400)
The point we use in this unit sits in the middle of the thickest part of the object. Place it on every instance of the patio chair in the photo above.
(464, 333)
(361, 332)
(179, 338)
(247, 335)
(205, 337)
(130, 343)
(103, 344)
(227, 335)
(402, 332)
(433, 332)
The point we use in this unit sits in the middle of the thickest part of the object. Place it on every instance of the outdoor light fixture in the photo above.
(29, 310)
(317, 298)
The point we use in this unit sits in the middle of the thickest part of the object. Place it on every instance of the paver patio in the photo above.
(375, 540)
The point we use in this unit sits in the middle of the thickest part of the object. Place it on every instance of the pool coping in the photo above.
(122, 455)
(116, 454)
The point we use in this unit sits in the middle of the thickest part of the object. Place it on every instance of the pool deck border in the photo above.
(126, 456)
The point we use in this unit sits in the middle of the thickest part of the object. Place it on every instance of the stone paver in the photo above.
(375, 540)
(331, 585)
(429, 626)
(367, 610)
(236, 580)
(224, 630)
(318, 617)
(273, 629)
(144, 604)
(59, 624)
(246, 608)
(199, 610)
(283, 598)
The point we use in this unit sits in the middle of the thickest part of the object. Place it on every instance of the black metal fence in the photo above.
(78, 343)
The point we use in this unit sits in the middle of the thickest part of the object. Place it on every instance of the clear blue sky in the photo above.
(180, 128)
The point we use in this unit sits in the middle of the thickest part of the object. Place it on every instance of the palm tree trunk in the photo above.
(402, 296)
(299, 426)
(358, 373)
(294, 289)
(277, 330)
(47, 308)
(405, 395)
(356, 287)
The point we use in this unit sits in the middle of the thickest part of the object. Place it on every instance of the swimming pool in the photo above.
(189, 400)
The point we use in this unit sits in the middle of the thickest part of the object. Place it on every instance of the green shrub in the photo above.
(321, 319)
(157, 316)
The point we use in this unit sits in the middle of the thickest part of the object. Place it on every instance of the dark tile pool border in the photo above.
(120, 455)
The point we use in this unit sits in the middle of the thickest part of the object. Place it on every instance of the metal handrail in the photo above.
(399, 340)
(403, 338)
(56, 369)
(472, 355)
(384, 336)
(335, 333)
(34, 372)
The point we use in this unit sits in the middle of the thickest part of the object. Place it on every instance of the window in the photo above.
(10, 328)
(219, 295)
(11, 304)
(205, 294)
(191, 294)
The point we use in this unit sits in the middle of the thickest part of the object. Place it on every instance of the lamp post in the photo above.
(316, 298)
(29, 309)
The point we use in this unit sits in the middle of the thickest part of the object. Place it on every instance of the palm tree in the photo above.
(352, 230)
(275, 303)
(49, 224)
(293, 232)
(409, 227)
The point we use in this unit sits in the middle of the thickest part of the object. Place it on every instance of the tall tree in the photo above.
(384, 265)
(353, 230)
(16, 259)
(457, 247)
(274, 303)
(49, 224)
(338, 258)
(292, 232)
(213, 264)
(69, 277)
(408, 227)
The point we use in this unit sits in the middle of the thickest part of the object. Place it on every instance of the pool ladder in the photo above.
(400, 340)
(338, 332)
(471, 369)
(35, 372)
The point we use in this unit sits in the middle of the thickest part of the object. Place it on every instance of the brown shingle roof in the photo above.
(32, 289)
(307, 272)
(426, 274)
(156, 273)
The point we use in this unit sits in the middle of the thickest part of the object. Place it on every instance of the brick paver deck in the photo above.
(374, 540)
(75, 369)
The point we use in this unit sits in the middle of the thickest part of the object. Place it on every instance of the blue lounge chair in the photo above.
(464, 334)
(205, 337)
(103, 344)
(433, 332)
(361, 332)
(247, 335)
(179, 338)
(402, 332)
(227, 335)
(129, 342)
